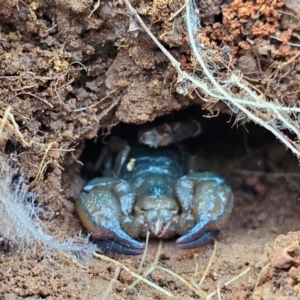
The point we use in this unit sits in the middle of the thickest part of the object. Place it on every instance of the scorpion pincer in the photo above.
(147, 189)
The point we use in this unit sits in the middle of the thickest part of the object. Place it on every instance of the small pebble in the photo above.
(281, 260)
(164, 256)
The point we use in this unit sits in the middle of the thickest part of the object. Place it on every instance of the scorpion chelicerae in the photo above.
(150, 189)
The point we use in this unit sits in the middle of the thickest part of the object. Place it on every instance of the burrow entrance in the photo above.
(263, 174)
(264, 177)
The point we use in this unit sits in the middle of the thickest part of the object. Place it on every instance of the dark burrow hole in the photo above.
(263, 174)
(220, 146)
(11, 147)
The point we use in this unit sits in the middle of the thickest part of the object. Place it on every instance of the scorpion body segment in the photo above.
(150, 189)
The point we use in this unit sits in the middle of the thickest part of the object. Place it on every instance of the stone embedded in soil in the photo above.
(125, 277)
(281, 260)
(164, 256)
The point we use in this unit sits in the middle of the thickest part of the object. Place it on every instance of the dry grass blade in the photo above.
(155, 265)
(4, 119)
(145, 252)
(175, 63)
(41, 166)
(261, 273)
(74, 261)
(179, 10)
(107, 110)
(198, 291)
(95, 104)
(112, 282)
(16, 126)
(230, 282)
(151, 268)
(209, 263)
(197, 264)
(37, 97)
(95, 7)
(141, 278)
(219, 290)
(8, 115)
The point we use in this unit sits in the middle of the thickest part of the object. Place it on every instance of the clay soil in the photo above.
(60, 58)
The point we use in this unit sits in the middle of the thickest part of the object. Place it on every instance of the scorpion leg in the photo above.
(100, 212)
(206, 199)
(114, 145)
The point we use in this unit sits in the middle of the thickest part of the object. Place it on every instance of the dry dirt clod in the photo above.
(281, 260)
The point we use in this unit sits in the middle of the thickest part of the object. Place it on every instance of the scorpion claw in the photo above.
(205, 239)
(115, 247)
(198, 236)
(100, 212)
(208, 199)
(122, 243)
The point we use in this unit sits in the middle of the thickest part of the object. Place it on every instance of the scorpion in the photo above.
(148, 188)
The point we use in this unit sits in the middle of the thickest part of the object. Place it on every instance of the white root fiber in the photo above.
(20, 222)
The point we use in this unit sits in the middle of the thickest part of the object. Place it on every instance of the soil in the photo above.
(69, 74)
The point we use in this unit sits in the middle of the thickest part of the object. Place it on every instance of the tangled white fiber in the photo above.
(20, 222)
(247, 104)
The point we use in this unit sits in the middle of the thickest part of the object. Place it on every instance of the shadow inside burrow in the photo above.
(220, 142)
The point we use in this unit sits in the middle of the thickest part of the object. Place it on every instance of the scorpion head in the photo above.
(159, 215)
